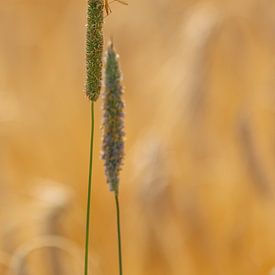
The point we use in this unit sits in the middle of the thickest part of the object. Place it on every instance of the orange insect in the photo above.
(107, 5)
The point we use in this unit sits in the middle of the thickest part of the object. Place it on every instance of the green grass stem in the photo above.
(89, 192)
(118, 234)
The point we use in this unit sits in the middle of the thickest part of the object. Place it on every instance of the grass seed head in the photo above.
(94, 48)
(113, 120)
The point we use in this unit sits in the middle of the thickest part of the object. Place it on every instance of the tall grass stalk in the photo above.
(89, 191)
(94, 51)
(113, 132)
(118, 233)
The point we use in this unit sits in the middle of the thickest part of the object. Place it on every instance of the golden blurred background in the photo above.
(197, 186)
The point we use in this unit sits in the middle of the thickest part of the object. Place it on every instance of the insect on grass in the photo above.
(107, 5)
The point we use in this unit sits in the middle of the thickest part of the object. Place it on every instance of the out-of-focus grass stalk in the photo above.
(113, 132)
(19, 257)
(94, 50)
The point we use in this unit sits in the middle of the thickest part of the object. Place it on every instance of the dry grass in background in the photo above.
(197, 188)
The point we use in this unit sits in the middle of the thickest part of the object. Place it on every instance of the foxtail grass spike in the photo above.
(113, 133)
(94, 48)
(113, 120)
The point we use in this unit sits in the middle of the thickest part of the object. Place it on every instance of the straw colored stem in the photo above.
(118, 234)
(89, 191)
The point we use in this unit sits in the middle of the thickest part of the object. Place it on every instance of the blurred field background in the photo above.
(197, 187)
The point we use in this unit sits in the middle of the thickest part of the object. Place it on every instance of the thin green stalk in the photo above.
(118, 234)
(89, 191)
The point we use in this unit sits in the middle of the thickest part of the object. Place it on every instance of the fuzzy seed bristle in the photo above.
(113, 120)
(94, 48)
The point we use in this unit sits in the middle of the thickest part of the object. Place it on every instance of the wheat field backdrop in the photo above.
(198, 181)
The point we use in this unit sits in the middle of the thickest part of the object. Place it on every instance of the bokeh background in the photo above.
(197, 186)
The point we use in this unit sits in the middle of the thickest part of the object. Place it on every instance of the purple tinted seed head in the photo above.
(113, 120)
